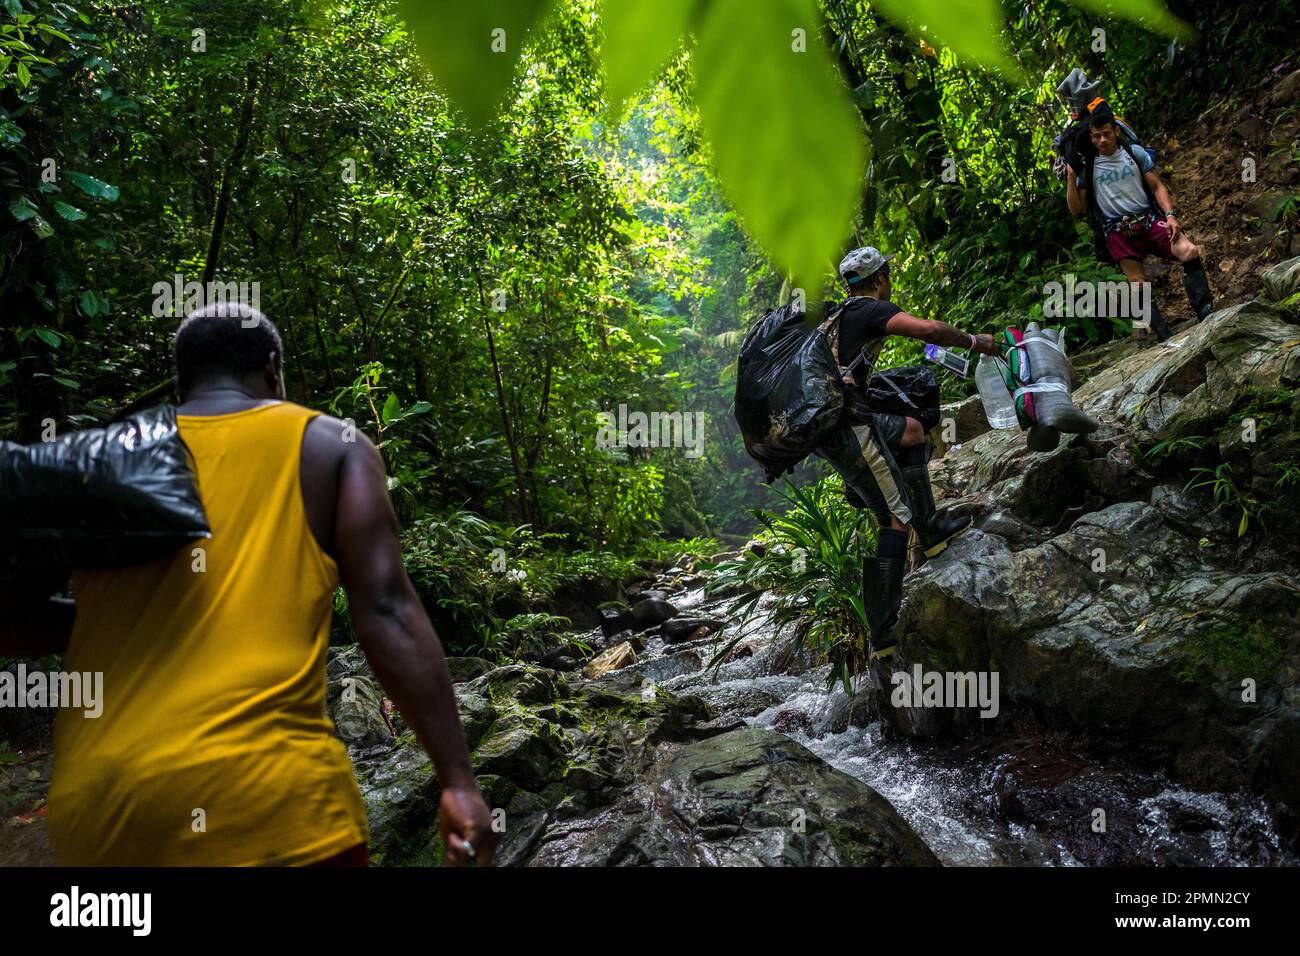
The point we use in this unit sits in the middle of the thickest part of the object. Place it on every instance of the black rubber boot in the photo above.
(1158, 323)
(882, 595)
(934, 532)
(1198, 289)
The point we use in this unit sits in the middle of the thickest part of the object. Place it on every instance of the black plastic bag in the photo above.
(99, 498)
(788, 390)
(911, 390)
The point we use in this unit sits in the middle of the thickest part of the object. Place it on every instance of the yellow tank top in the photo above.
(213, 747)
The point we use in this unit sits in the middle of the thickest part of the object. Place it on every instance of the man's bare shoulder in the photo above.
(329, 440)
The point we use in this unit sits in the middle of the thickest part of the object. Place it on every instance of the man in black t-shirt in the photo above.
(883, 458)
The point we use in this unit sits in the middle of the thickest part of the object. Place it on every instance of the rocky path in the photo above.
(661, 762)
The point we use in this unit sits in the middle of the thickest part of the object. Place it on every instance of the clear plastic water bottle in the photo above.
(946, 358)
(999, 406)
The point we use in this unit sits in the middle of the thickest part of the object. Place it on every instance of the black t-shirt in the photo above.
(863, 326)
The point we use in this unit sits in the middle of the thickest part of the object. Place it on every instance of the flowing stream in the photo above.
(1000, 800)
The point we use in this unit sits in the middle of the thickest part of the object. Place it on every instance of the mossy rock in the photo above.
(1246, 649)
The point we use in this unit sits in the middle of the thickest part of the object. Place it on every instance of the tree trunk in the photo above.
(521, 487)
(233, 165)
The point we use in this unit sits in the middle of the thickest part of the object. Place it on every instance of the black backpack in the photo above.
(789, 387)
(1093, 213)
(1074, 146)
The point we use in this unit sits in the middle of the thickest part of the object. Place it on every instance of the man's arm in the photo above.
(1074, 196)
(1164, 201)
(35, 630)
(401, 645)
(940, 333)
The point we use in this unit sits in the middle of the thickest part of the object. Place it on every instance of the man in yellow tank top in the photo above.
(213, 747)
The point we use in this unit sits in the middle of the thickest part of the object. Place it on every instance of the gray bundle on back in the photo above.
(99, 498)
(1076, 91)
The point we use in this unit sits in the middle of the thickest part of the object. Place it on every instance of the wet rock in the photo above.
(522, 748)
(740, 700)
(660, 669)
(401, 797)
(1192, 388)
(968, 420)
(476, 715)
(467, 668)
(730, 800)
(355, 707)
(791, 722)
(520, 684)
(788, 658)
(688, 628)
(615, 619)
(1120, 627)
(651, 611)
(1283, 280)
(1016, 533)
(618, 656)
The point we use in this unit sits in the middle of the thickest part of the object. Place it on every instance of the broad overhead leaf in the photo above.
(788, 145)
(1150, 13)
(472, 47)
(640, 35)
(972, 29)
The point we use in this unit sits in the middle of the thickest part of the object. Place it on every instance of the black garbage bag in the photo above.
(788, 389)
(98, 498)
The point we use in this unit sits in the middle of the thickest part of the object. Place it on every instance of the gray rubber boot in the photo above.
(882, 596)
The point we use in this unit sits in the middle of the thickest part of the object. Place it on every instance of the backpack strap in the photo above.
(1090, 202)
(1146, 187)
(884, 377)
(825, 328)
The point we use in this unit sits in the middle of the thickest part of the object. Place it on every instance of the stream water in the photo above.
(1009, 800)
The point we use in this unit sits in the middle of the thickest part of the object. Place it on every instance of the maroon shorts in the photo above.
(1153, 242)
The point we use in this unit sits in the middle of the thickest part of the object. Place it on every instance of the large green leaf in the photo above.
(22, 209)
(788, 145)
(92, 186)
(457, 42)
(70, 213)
(1151, 13)
(639, 36)
(972, 28)
(391, 408)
